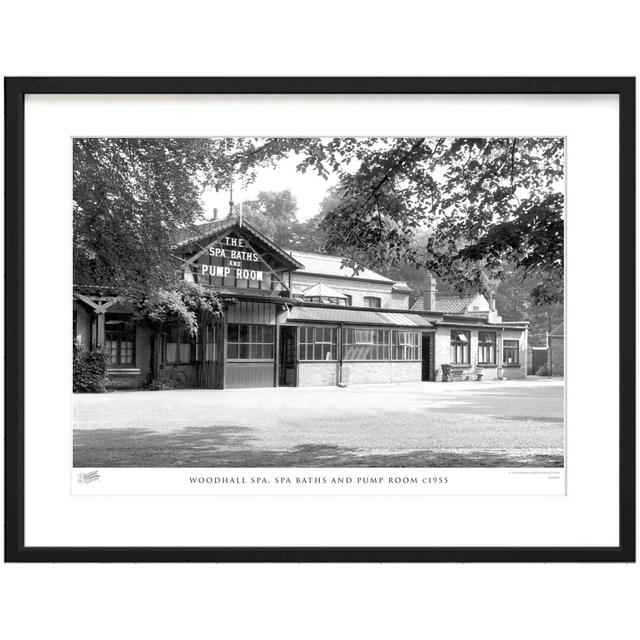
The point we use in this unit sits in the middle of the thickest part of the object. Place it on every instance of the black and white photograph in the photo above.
(376, 302)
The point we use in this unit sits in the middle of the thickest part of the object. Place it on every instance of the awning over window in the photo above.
(356, 316)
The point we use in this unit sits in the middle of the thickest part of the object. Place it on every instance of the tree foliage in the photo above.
(274, 213)
(130, 198)
(483, 203)
(184, 303)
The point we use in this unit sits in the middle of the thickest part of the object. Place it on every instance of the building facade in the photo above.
(294, 318)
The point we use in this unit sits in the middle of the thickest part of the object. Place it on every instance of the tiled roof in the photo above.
(558, 331)
(324, 265)
(446, 304)
(184, 236)
(357, 316)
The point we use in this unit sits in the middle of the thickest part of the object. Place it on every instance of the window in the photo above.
(366, 344)
(349, 300)
(318, 343)
(120, 338)
(459, 347)
(372, 301)
(249, 342)
(178, 346)
(510, 352)
(405, 345)
(325, 300)
(486, 347)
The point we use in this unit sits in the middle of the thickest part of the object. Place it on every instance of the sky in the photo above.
(308, 189)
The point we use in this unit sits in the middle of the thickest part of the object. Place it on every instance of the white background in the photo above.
(586, 516)
(328, 38)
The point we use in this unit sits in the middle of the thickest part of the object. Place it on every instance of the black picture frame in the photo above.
(15, 91)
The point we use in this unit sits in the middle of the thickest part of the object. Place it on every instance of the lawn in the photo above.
(468, 424)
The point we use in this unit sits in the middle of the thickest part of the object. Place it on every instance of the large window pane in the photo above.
(406, 345)
(460, 347)
(250, 342)
(511, 352)
(486, 347)
(366, 344)
(318, 343)
(120, 338)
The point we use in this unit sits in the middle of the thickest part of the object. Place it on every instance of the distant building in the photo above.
(293, 318)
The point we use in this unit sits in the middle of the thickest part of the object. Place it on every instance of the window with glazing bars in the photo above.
(486, 347)
(318, 343)
(510, 352)
(120, 338)
(372, 301)
(406, 345)
(250, 342)
(366, 344)
(459, 347)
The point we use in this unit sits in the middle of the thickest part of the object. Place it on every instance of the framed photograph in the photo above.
(320, 319)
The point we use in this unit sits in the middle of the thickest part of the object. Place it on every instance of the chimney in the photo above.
(215, 213)
(429, 293)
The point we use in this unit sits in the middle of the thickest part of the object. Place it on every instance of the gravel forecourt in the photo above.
(460, 424)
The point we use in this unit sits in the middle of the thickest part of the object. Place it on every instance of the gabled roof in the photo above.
(447, 304)
(324, 265)
(321, 290)
(402, 287)
(203, 234)
(558, 332)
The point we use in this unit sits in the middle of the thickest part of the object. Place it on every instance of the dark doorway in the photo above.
(539, 358)
(288, 356)
(427, 354)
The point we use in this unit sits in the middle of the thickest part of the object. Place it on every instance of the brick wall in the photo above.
(317, 374)
(399, 301)
(556, 355)
(373, 372)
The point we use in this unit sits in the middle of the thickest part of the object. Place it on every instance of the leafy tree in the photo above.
(274, 213)
(484, 202)
(515, 301)
(185, 303)
(131, 197)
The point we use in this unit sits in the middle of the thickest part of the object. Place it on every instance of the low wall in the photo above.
(317, 374)
(378, 372)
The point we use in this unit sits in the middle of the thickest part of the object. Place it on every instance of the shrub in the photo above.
(543, 371)
(89, 369)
